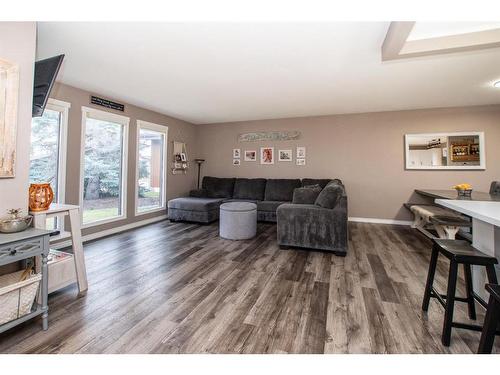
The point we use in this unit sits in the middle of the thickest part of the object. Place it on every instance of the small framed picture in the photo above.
(267, 155)
(178, 158)
(236, 153)
(301, 153)
(284, 155)
(250, 155)
(183, 156)
(236, 161)
(301, 161)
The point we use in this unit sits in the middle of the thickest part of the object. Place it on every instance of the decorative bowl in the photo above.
(13, 225)
(464, 193)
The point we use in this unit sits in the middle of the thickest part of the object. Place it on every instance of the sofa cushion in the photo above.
(195, 204)
(330, 195)
(306, 195)
(280, 189)
(198, 193)
(269, 206)
(218, 187)
(249, 188)
(322, 182)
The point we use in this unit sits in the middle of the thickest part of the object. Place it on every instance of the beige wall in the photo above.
(365, 150)
(17, 44)
(178, 130)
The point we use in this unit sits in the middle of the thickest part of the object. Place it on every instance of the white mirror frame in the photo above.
(9, 93)
(482, 153)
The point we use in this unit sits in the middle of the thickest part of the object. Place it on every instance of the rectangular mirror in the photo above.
(464, 150)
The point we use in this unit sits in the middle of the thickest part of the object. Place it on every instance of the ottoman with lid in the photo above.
(238, 220)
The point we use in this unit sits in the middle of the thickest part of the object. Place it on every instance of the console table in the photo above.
(23, 245)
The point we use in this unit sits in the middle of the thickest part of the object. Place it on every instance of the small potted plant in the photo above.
(463, 190)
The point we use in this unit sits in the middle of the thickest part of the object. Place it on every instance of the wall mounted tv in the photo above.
(45, 76)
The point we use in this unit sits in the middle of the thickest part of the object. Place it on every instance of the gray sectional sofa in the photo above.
(310, 213)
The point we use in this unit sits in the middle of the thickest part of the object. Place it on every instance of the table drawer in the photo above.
(20, 250)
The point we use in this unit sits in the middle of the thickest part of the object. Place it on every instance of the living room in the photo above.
(250, 187)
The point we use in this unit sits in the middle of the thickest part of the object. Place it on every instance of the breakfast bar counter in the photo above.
(452, 194)
(485, 231)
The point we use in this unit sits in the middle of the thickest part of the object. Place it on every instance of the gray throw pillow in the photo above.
(306, 194)
(329, 196)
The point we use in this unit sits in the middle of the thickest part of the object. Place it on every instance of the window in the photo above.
(48, 151)
(104, 166)
(151, 167)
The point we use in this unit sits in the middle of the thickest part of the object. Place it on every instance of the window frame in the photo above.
(88, 112)
(160, 129)
(63, 108)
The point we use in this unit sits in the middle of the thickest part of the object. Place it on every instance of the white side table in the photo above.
(59, 273)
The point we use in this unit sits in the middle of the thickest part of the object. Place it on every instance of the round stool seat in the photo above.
(238, 220)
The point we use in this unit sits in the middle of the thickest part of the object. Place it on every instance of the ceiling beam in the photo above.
(452, 43)
(397, 46)
(395, 39)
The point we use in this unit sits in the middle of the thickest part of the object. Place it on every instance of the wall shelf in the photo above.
(180, 162)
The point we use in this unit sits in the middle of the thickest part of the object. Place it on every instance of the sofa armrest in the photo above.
(311, 226)
(198, 193)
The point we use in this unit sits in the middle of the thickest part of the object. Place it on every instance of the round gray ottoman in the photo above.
(238, 220)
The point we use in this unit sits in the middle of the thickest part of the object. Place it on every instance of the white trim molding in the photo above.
(379, 221)
(108, 232)
(163, 191)
(63, 109)
(118, 119)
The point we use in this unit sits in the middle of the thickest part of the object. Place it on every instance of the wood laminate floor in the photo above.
(179, 288)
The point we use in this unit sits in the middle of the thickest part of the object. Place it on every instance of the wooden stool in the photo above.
(458, 252)
(491, 320)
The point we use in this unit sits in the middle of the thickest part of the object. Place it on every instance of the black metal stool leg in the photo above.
(450, 303)
(491, 273)
(468, 289)
(490, 323)
(430, 277)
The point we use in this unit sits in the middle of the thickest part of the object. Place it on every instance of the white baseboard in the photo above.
(379, 221)
(108, 232)
(122, 228)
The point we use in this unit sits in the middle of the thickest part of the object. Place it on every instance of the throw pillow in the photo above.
(306, 194)
(329, 196)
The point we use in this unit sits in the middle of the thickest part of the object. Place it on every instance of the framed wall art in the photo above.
(267, 155)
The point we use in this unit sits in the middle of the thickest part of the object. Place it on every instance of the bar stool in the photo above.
(458, 252)
(491, 320)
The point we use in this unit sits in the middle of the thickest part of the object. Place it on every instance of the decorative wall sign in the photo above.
(269, 136)
(236, 153)
(236, 162)
(9, 93)
(285, 155)
(301, 161)
(107, 103)
(267, 155)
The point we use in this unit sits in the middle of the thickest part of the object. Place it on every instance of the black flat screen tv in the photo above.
(45, 76)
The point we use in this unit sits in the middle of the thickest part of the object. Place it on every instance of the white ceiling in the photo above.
(220, 72)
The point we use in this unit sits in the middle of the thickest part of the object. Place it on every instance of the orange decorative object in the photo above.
(41, 196)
